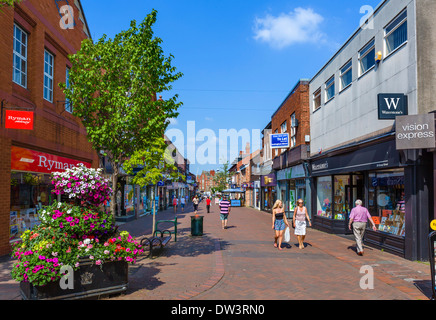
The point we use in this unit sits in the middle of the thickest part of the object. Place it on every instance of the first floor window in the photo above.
(20, 57)
(48, 76)
(330, 88)
(367, 57)
(396, 33)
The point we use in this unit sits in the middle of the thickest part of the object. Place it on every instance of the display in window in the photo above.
(324, 193)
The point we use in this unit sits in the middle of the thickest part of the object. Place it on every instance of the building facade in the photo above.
(34, 60)
(383, 71)
(290, 164)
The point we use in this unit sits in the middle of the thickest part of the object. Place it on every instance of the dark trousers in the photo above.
(208, 208)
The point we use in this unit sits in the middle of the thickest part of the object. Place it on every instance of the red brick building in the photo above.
(205, 181)
(293, 117)
(33, 61)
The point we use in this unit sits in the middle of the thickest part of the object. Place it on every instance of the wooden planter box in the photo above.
(90, 281)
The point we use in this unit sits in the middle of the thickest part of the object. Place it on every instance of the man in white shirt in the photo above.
(182, 203)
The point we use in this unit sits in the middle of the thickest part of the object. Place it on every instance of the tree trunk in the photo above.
(114, 189)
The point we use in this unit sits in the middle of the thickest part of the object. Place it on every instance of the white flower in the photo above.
(87, 241)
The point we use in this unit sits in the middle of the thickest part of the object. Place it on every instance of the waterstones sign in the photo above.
(392, 105)
(415, 132)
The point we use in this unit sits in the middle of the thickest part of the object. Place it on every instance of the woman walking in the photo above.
(279, 223)
(299, 221)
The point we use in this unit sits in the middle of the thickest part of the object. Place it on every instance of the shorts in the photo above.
(183, 205)
(300, 228)
(195, 206)
(224, 216)
(279, 225)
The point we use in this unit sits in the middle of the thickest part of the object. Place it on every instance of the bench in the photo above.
(171, 221)
(157, 241)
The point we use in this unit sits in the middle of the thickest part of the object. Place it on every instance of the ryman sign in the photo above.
(415, 132)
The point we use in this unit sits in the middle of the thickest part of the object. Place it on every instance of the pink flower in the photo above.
(98, 262)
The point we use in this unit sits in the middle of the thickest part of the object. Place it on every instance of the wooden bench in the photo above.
(171, 221)
(158, 240)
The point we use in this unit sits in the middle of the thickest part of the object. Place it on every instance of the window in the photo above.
(330, 88)
(293, 130)
(317, 99)
(284, 127)
(367, 57)
(324, 196)
(396, 33)
(48, 76)
(19, 75)
(346, 75)
(68, 103)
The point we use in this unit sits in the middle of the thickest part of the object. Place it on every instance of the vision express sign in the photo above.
(415, 132)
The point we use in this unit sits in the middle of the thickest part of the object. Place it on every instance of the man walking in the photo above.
(208, 204)
(182, 203)
(224, 212)
(359, 216)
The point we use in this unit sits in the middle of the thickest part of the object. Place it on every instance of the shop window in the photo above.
(29, 192)
(386, 201)
(340, 203)
(324, 194)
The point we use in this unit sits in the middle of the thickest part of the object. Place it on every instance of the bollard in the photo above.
(196, 226)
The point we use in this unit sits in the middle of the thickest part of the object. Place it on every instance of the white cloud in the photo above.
(298, 26)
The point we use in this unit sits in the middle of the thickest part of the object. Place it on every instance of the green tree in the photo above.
(222, 177)
(8, 3)
(112, 88)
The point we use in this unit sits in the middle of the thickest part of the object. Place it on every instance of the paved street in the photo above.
(240, 263)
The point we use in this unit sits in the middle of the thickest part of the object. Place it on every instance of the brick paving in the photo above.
(240, 263)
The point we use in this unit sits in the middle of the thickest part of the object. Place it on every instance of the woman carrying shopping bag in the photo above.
(299, 222)
(279, 223)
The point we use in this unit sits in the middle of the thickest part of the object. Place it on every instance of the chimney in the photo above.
(247, 148)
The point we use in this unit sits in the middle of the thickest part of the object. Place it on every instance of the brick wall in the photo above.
(297, 102)
(55, 130)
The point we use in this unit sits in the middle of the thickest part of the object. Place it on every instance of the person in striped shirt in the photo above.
(224, 212)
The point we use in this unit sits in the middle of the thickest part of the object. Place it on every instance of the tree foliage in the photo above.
(113, 87)
(8, 3)
(222, 177)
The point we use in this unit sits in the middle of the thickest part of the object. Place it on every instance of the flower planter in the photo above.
(90, 281)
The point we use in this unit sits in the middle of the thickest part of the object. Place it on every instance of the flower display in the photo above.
(82, 184)
(71, 233)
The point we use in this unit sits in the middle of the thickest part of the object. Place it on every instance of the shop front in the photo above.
(268, 185)
(31, 186)
(291, 187)
(387, 184)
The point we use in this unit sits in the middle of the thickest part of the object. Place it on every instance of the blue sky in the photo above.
(240, 59)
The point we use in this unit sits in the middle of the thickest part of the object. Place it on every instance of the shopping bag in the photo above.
(287, 235)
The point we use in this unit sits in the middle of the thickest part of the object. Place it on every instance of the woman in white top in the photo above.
(299, 222)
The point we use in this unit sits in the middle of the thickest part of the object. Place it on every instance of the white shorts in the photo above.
(300, 228)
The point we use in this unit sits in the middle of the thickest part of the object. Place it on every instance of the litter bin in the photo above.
(196, 226)
(431, 257)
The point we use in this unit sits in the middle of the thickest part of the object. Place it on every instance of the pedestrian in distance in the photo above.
(225, 207)
(175, 202)
(359, 217)
(182, 203)
(279, 223)
(195, 201)
(208, 204)
(299, 222)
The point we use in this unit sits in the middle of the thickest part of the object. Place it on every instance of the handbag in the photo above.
(287, 235)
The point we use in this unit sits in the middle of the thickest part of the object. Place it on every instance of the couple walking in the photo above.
(279, 223)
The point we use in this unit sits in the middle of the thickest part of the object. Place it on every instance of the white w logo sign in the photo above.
(392, 103)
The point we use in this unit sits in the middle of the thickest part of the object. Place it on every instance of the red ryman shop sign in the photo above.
(35, 161)
(19, 120)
